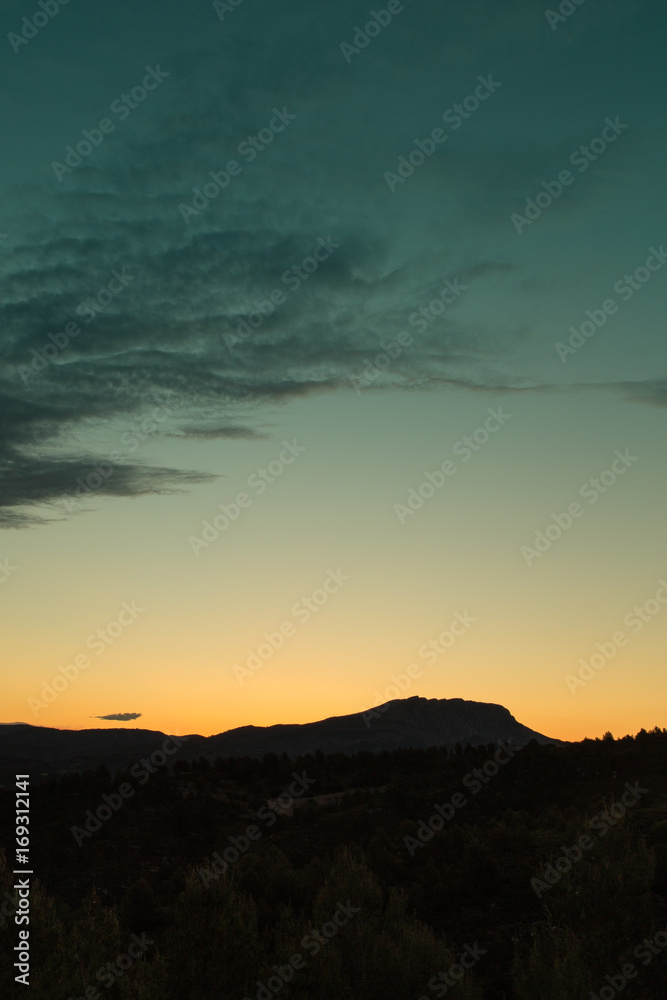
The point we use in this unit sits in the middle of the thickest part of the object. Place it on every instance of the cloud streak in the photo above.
(119, 716)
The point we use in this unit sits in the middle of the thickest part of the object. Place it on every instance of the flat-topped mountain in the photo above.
(406, 722)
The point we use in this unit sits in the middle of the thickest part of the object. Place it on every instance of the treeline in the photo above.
(480, 874)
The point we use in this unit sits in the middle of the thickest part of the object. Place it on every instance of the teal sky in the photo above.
(162, 340)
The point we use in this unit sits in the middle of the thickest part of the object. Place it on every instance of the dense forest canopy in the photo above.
(479, 873)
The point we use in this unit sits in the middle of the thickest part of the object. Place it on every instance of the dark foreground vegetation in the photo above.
(471, 874)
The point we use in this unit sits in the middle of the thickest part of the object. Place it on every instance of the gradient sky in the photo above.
(162, 346)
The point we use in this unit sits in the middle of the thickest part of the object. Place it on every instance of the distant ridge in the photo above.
(403, 723)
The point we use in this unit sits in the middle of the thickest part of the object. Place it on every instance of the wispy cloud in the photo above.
(160, 341)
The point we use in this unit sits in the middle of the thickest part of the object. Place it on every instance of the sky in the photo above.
(333, 364)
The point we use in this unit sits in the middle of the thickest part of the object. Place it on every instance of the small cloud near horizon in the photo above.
(119, 716)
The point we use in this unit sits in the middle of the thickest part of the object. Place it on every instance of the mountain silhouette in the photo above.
(402, 723)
